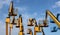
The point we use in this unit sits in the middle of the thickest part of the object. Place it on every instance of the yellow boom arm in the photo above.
(53, 17)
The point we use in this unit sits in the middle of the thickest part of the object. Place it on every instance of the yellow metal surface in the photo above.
(11, 7)
(11, 25)
(11, 10)
(21, 25)
(29, 31)
(53, 17)
(34, 32)
(6, 28)
(21, 33)
(7, 20)
(37, 29)
(21, 28)
(20, 19)
(30, 23)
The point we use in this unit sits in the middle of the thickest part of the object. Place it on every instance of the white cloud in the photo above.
(57, 4)
(2, 28)
(21, 9)
(1, 5)
(2, 2)
(35, 14)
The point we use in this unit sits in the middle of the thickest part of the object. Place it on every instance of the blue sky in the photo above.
(30, 9)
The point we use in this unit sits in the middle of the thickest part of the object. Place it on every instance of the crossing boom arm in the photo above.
(53, 17)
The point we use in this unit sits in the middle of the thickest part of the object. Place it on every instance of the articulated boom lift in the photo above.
(32, 22)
